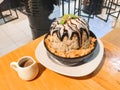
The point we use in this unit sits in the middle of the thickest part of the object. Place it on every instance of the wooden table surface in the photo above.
(113, 37)
(105, 77)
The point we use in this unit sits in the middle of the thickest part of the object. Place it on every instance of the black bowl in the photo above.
(71, 61)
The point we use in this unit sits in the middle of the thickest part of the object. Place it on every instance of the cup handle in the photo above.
(13, 65)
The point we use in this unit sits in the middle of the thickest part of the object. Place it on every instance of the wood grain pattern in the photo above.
(113, 37)
(105, 77)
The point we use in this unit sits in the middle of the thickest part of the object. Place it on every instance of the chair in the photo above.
(112, 9)
(81, 6)
(84, 8)
(1, 16)
(7, 6)
(74, 7)
(23, 6)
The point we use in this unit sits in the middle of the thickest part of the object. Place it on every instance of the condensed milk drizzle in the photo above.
(72, 26)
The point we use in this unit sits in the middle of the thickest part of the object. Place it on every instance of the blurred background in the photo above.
(22, 21)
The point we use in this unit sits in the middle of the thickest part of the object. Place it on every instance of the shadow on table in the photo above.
(41, 70)
(94, 73)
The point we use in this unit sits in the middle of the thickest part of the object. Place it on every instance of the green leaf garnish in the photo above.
(67, 17)
(73, 16)
(62, 21)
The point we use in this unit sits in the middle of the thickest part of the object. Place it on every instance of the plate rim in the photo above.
(67, 70)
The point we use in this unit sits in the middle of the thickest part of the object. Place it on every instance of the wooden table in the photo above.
(105, 77)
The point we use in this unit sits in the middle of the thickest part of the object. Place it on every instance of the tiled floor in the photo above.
(17, 33)
(14, 34)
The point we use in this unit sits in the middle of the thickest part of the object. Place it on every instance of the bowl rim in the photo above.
(65, 58)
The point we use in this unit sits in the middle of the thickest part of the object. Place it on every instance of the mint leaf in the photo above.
(62, 21)
(73, 16)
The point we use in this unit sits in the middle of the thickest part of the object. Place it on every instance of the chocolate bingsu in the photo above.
(69, 37)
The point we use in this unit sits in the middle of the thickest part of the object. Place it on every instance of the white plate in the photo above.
(75, 71)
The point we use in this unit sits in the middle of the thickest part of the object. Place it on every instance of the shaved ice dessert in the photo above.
(70, 37)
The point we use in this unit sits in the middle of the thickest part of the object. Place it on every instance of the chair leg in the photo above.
(10, 13)
(62, 7)
(3, 17)
(110, 8)
(69, 7)
(16, 13)
(74, 6)
(118, 14)
(108, 11)
(79, 7)
(89, 18)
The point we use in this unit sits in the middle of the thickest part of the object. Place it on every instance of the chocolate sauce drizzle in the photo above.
(73, 26)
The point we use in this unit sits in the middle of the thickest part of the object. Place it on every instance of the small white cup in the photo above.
(26, 67)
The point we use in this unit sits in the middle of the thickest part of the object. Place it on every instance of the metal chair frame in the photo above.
(110, 10)
(10, 13)
(77, 9)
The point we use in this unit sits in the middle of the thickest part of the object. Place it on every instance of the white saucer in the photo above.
(75, 71)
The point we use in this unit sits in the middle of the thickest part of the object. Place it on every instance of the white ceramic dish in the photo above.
(85, 68)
